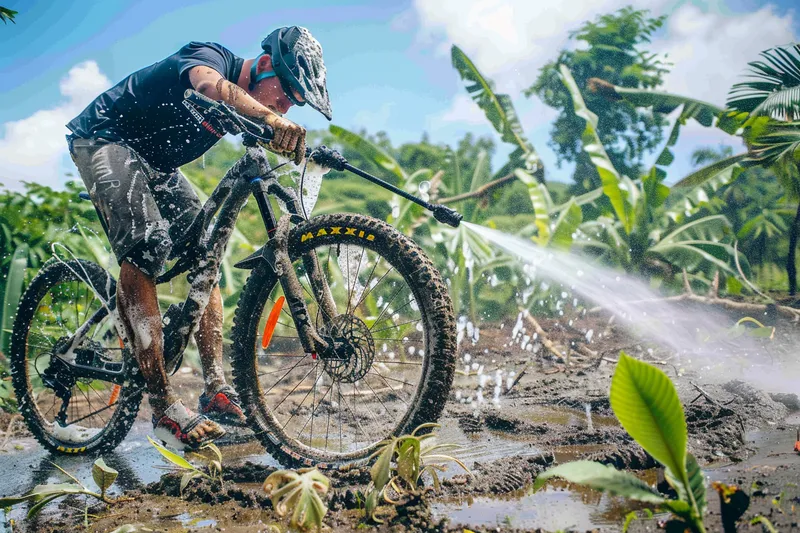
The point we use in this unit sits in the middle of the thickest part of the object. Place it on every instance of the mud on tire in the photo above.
(435, 308)
(130, 394)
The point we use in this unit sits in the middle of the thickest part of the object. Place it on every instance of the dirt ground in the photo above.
(550, 408)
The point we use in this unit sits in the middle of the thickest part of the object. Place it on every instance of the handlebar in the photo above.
(236, 123)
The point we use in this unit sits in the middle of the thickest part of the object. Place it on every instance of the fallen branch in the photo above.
(731, 305)
(545, 340)
(687, 287)
(480, 191)
(723, 410)
(713, 291)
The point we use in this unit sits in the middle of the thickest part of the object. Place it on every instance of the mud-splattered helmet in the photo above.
(297, 63)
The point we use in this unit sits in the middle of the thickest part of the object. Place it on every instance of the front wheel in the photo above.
(395, 341)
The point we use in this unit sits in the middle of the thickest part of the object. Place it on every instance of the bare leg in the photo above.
(209, 343)
(137, 301)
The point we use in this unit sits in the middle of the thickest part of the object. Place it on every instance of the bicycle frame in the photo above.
(202, 258)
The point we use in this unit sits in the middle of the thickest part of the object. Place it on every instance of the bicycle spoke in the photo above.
(295, 387)
(397, 326)
(280, 370)
(313, 386)
(282, 378)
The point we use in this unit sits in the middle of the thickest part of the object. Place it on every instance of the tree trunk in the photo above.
(790, 264)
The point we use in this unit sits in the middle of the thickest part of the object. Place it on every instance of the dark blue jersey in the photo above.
(147, 112)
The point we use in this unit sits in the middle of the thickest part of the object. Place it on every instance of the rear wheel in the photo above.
(394, 338)
(67, 410)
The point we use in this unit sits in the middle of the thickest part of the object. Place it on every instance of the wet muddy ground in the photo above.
(515, 408)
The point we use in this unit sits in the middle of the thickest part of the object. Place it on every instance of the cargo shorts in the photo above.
(143, 211)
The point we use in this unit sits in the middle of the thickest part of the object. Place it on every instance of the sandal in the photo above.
(178, 422)
(224, 407)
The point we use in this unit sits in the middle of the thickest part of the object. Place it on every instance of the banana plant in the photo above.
(635, 235)
(501, 114)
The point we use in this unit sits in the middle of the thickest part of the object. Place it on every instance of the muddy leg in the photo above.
(209, 343)
(137, 301)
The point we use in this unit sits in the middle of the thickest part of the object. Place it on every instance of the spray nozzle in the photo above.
(447, 215)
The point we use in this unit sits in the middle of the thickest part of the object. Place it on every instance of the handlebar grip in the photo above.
(199, 99)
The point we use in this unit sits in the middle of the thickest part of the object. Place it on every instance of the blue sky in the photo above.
(388, 66)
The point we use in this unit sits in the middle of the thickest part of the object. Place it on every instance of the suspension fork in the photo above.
(278, 234)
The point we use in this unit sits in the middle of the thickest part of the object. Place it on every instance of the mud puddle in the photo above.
(552, 509)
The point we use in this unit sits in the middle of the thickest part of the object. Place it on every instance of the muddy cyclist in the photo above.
(128, 144)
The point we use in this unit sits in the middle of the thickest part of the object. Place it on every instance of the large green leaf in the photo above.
(542, 205)
(697, 483)
(602, 478)
(647, 405)
(723, 168)
(568, 221)
(13, 293)
(613, 186)
(499, 110)
(370, 151)
(381, 471)
(774, 86)
(172, 457)
(660, 102)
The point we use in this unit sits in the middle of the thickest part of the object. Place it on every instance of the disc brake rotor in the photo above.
(352, 349)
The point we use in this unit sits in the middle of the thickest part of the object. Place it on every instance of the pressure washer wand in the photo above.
(331, 158)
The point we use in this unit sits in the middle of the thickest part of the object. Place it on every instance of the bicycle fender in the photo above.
(265, 253)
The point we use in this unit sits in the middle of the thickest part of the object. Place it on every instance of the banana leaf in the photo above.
(501, 113)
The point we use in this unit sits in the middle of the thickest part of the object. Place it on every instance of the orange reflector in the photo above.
(272, 320)
(114, 395)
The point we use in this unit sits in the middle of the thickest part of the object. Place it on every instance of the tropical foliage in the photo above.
(612, 47)
(611, 115)
(762, 111)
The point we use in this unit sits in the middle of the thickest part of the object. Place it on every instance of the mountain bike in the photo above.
(343, 334)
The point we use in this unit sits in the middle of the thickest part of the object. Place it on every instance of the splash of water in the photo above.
(682, 329)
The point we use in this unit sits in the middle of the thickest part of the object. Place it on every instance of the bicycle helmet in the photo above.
(297, 63)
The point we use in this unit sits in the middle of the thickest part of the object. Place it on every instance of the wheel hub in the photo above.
(352, 349)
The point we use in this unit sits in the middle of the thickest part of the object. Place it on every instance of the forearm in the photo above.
(232, 94)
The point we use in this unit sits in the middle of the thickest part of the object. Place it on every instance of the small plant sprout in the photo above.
(646, 403)
(300, 494)
(103, 475)
(209, 454)
(401, 464)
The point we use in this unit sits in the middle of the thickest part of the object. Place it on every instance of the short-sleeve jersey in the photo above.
(147, 111)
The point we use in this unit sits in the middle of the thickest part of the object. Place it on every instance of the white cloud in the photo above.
(464, 110)
(33, 148)
(710, 51)
(510, 40)
(374, 120)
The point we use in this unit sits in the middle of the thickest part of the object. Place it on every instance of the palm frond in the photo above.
(7, 14)
(774, 85)
(779, 142)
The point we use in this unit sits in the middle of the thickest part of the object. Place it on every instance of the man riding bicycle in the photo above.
(128, 144)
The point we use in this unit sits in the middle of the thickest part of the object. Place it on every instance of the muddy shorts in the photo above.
(143, 211)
